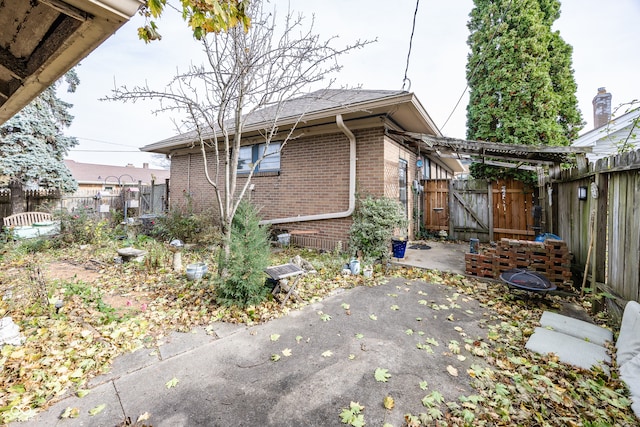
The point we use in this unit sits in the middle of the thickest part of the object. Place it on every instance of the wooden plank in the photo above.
(490, 210)
(515, 231)
(469, 210)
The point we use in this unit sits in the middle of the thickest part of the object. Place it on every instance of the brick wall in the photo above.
(313, 179)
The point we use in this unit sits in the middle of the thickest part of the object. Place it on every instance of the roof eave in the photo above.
(167, 145)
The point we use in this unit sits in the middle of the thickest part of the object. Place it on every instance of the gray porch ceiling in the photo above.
(40, 40)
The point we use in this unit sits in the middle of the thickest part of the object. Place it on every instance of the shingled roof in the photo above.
(90, 173)
(321, 107)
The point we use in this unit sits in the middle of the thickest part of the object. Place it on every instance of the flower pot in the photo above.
(196, 271)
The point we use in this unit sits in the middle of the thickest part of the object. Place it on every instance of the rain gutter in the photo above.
(352, 186)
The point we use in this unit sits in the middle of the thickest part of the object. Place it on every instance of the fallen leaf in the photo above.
(345, 306)
(395, 307)
(382, 375)
(82, 393)
(373, 317)
(388, 402)
(352, 356)
(452, 371)
(275, 337)
(97, 409)
(286, 352)
(143, 417)
(70, 412)
(327, 353)
(275, 357)
(424, 385)
(298, 339)
(172, 382)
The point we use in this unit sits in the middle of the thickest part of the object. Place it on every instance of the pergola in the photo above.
(526, 157)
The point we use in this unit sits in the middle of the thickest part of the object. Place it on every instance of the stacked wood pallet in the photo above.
(551, 258)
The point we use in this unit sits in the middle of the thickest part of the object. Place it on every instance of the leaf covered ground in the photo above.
(78, 310)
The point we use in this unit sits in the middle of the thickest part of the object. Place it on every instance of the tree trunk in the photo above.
(17, 197)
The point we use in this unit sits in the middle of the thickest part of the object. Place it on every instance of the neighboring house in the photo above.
(102, 181)
(607, 140)
(348, 142)
(610, 136)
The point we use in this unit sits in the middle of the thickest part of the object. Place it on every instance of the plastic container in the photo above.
(196, 271)
(545, 236)
(284, 239)
(354, 266)
(474, 246)
(398, 247)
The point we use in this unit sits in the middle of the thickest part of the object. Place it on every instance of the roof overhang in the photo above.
(527, 157)
(403, 109)
(42, 40)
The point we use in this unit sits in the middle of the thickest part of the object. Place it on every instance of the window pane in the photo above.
(271, 160)
(244, 159)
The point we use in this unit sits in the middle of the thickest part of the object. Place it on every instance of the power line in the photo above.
(103, 142)
(107, 151)
(413, 28)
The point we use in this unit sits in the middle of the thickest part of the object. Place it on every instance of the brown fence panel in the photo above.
(512, 205)
(436, 204)
(601, 228)
(476, 209)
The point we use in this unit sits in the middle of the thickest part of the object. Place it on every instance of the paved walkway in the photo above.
(328, 354)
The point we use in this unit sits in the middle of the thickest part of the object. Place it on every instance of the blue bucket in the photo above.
(398, 247)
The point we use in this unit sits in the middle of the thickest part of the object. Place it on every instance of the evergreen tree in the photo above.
(249, 256)
(521, 84)
(32, 145)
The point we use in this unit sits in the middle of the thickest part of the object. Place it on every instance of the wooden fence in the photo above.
(479, 209)
(596, 210)
(139, 200)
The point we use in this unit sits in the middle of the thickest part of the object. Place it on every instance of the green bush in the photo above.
(176, 224)
(242, 282)
(374, 223)
(81, 227)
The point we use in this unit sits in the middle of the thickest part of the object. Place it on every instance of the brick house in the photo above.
(347, 142)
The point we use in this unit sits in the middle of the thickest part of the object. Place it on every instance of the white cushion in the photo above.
(630, 374)
(628, 344)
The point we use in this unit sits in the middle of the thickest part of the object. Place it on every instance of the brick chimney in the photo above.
(601, 108)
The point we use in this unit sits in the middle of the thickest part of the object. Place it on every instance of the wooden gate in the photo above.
(479, 209)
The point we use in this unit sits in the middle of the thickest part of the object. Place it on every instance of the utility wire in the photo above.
(103, 142)
(413, 28)
(473, 72)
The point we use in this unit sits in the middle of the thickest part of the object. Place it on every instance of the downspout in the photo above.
(352, 186)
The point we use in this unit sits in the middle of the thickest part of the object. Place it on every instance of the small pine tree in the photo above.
(243, 283)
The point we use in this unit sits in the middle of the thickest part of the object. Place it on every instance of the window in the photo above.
(245, 159)
(402, 184)
(251, 153)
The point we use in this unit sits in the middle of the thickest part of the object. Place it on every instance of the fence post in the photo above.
(490, 208)
(152, 197)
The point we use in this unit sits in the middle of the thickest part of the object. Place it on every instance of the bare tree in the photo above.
(247, 78)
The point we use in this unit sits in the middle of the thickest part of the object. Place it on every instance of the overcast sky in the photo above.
(604, 36)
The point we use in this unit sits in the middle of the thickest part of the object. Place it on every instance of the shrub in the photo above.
(374, 222)
(176, 224)
(81, 227)
(242, 281)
